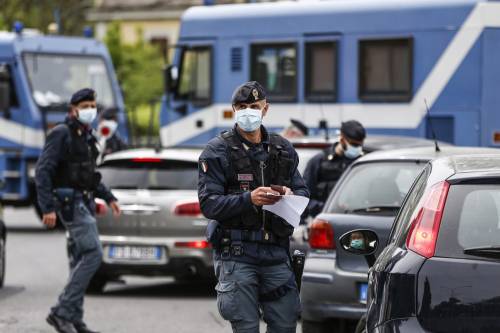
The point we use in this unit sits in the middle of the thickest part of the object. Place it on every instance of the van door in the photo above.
(12, 134)
(490, 106)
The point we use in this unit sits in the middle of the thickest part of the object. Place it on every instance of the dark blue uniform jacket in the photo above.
(56, 148)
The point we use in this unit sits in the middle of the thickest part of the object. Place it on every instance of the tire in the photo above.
(97, 284)
(2, 261)
(315, 327)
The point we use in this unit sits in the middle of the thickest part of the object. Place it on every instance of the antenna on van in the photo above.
(431, 127)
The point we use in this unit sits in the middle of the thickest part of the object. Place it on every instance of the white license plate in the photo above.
(130, 252)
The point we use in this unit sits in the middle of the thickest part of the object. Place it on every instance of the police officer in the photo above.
(251, 256)
(324, 170)
(296, 129)
(67, 182)
(109, 138)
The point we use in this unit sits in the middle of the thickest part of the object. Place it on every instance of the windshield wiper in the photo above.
(492, 251)
(372, 209)
(159, 187)
(124, 187)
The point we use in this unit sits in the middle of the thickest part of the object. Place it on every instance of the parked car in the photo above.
(440, 269)
(161, 231)
(368, 195)
(3, 237)
(308, 147)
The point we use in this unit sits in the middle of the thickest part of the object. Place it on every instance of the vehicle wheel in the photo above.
(2, 262)
(315, 327)
(97, 284)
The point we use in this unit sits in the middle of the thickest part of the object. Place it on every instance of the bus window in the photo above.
(385, 70)
(321, 71)
(195, 75)
(275, 67)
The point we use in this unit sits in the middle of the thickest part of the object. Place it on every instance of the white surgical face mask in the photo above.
(352, 152)
(86, 116)
(249, 120)
(107, 128)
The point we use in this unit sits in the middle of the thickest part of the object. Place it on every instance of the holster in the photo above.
(214, 234)
(65, 198)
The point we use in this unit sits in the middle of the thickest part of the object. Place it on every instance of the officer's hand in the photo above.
(264, 196)
(288, 191)
(115, 208)
(49, 219)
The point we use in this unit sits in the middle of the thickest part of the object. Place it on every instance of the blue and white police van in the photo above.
(375, 61)
(38, 75)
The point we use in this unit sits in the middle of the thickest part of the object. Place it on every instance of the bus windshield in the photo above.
(54, 78)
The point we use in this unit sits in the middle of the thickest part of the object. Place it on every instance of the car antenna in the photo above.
(432, 127)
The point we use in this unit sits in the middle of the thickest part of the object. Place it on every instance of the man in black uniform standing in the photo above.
(324, 170)
(251, 245)
(67, 182)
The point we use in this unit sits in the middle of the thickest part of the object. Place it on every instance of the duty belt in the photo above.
(257, 236)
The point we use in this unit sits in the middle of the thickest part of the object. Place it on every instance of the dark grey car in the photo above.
(368, 195)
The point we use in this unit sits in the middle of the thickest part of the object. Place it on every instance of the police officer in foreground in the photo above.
(251, 246)
(324, 170)
(67, 182)
(295, 130)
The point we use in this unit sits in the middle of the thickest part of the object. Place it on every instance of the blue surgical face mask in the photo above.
(86, 116)
(352, 152)
(249, 120)
(357, 244)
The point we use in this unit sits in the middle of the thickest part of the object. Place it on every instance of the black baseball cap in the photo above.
(353, 130)
(85, 94)
(109, 113)
(248, 92)
(300, 125)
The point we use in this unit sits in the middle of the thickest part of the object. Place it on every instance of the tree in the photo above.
(38, 14)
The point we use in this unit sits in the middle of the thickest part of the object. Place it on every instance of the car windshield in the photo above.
(375, 188)
(305, 154)
(54, 78)
(158, 175)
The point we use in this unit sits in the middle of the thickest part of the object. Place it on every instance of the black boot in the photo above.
(60, 324)
(82, 328)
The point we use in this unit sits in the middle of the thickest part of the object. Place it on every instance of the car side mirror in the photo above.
(170, 78)
(360, 242)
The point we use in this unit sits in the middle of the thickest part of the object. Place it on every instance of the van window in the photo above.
(7, 79)
(321, 71)
(195, 75)
(385, 70)
(153, 175)
(471, 219)
(275, 67)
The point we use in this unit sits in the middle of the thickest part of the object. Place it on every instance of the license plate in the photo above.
(363, 292)
(127, 252)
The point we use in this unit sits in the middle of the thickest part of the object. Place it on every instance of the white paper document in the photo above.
(290, 207)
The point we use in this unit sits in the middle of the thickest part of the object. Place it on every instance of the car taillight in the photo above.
(321, 235)
(101, 208)
(189, 208)
(425, 227)
(193, 244)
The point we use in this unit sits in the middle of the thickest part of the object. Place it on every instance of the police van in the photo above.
(38, 74)
(379, 62)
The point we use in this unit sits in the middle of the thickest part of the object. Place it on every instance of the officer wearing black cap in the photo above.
(251, 246)
(324, 170)
(67, 182)
(109, 138)
(297, 129)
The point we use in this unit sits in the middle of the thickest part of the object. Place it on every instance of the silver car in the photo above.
(161, 231)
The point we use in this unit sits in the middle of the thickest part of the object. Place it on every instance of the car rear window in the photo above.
(471, 219)
(150, 174)
(375, 188)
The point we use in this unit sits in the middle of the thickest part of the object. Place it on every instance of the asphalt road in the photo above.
(37, 270)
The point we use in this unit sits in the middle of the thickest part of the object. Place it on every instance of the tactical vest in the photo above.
(247, 174)
(330, 170)
(77, 169)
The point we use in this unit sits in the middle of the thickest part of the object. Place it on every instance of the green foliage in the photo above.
(139, 70)
(39, 14)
